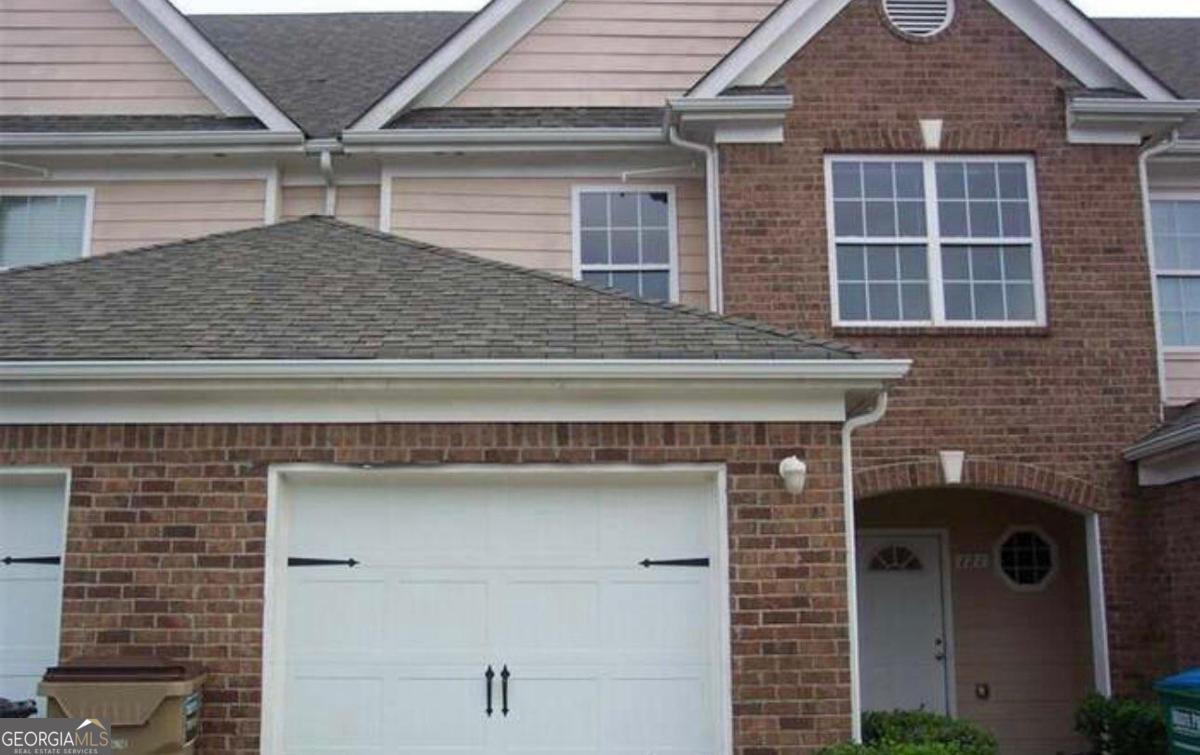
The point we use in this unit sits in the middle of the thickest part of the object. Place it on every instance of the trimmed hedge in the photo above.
(916, 733)
(1122, 727)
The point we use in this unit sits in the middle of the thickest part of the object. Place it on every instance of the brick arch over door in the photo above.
(993, 474)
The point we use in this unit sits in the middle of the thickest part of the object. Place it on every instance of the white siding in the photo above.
(1182, 376)
(615, 53)
(82, 57)
(355, 204)
(527, 221)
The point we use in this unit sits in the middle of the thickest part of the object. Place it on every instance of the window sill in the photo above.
(1018, 331)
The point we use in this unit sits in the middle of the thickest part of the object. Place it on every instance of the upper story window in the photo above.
(626, 239)
(37, 227)
(934, 241)
(1176, 225)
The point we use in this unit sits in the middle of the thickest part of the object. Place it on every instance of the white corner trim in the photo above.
(1102, 675)
(1060, 30)
(211, 72)
(437, 391)
(454, 65)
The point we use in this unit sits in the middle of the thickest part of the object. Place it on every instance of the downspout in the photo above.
(848, 428)
(712, 193)
(1147, 222)
(330, 182)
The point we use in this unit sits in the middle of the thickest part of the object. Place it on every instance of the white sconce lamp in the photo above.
(952, 466)
(794, 473)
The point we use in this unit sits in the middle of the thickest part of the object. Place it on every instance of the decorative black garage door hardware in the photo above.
(489, 675)
(9, 560)
(323, 562)
(698, 562)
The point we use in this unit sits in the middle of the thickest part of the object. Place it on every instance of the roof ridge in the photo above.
(749, 324)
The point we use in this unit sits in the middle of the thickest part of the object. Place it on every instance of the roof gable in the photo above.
(317, 288)
(1056, 26)
(119, 59)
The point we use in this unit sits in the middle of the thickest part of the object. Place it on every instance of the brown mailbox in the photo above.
(152, 704)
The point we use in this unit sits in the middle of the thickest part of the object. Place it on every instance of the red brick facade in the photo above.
(1059, 401)
(168, 523)
(1175, 555)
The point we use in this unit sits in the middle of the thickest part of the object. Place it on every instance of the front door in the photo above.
(902, 622)
(538, 580)
(32, 518)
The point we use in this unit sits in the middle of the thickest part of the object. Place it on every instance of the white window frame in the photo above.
(577, 266)
(1180, 195)
(88, 193)
(934, 242)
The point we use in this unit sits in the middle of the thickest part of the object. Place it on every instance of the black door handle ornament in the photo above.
(489, 675)
(504, 675)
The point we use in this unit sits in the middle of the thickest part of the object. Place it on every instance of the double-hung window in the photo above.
(39, 226)
(941, 241)
(1176, 226)
(626, 239)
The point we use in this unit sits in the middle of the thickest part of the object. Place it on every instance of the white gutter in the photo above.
(1134, 108)
(716, 297)
(832, 370)
(1168, 441)
(848, 428)
(1144, 156)
(177, 140)
(734, 104)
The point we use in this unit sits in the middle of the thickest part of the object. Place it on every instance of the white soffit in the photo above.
(1054, 25)
(212, 73)
(453, 66)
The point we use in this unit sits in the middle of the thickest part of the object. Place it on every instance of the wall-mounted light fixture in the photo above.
(794, 473)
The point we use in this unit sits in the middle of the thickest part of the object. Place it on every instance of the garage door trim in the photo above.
(276, 555)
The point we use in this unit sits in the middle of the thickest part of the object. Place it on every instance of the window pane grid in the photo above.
(970, 204)
(625, 241)
(1176, 226)
(37, 229)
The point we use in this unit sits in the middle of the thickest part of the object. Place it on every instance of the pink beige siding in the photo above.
(82, 57)
(527, 221)
(1032, 649)
(614, 53)
(355, 204)
(1182, 376)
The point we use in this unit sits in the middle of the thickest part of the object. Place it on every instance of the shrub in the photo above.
(919, 727)
(1122, 727)
(917, 733)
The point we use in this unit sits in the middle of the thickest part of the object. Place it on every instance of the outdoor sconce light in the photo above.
(794, 473)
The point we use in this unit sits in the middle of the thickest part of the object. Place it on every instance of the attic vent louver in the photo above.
(919, 18)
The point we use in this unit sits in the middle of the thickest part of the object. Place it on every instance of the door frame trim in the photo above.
(275, 564)
(65, 474)
(942, 535)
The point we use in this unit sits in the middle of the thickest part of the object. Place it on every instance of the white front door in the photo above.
(32, 519)
(902, 623)
(537, 575)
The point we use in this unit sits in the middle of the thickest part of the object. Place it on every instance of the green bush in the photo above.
(917, 733)
(1122, 727)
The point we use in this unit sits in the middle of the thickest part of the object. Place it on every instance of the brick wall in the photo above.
(1065, 398)
(1175, 549)
(167, 530)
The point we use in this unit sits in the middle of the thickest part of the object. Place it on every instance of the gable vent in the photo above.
(920, 18)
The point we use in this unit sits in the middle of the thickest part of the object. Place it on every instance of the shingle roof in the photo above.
(1169, 47)
(1179, 429)
(317, 288)
(95, 123)
(325, 69)
(530, 117)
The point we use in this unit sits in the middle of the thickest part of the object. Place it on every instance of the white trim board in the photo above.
(212, 73)
(276, 553)
(1060, 30)
(454, 65)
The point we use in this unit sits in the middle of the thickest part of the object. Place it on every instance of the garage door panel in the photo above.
(314, 605)
(549, 615)
(438, 710)
(664, 528)
(530, 530)
(659, 715)
(432, 614)
(552, 711)
(658, 615)
(326, 714)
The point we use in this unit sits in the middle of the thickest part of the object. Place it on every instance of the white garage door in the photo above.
(32, 518)
(536, 576)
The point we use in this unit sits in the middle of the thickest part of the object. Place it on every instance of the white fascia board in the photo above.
(175, 141)
(476, 139)
(1124, 121)
(758, 104)
(454, 65)
(436, 391)
(1183, 463)
(212, 73)
(1060, 30)
(1161, 444)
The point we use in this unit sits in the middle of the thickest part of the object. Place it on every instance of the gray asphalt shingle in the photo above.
(1169, 47)
(530, 117)
(118, 123)
(317, 288)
